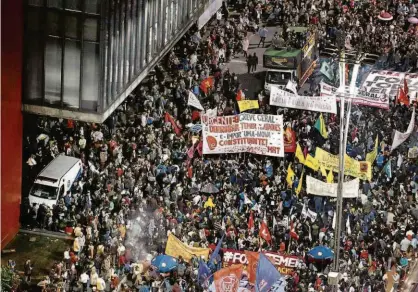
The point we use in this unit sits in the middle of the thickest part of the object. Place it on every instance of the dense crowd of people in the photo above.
(139, 182)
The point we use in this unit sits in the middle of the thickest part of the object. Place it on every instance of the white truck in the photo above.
(55, 180)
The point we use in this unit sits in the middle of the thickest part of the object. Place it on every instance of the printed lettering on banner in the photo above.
(320, 188)
(367, 99)
(285, 264)
(282, 98)
(258, 134)
(360, 169)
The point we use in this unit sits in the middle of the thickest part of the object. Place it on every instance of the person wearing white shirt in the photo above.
(405, 243)
(84, 279)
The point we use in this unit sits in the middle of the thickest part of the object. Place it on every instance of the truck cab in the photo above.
(278, 78)
(295, 61)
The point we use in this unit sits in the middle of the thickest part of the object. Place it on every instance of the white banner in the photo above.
(193, 101)
(279, 97)
(372, 100)
(316, 187)
(399, 137)
(258, 134)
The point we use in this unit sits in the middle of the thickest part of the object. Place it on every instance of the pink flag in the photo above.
(190, 152)
(305, 151)
(200, 148)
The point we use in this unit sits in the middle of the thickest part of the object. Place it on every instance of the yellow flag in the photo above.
(299, 154)
(311, 162)
(299, 188)
(290, 175)
(247, 104)
(330, 177)
(371, 156)
(323, 170)
(176, 248)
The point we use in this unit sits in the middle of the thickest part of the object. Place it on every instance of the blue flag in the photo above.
(203, 274)
(388, 169)
(267, 274)
(215, 254)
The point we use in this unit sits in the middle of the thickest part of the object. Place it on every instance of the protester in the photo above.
(143, 168)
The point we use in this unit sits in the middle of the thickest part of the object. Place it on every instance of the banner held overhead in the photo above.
(282, 98)
(258, 134)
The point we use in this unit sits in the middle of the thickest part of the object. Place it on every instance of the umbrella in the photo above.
(193, 190)
(413, 20)
(196, 128)
(385, 16)
(164, 263)
(321, 253)
(210, 189)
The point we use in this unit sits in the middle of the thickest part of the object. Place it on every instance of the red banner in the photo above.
(285, 264)
(289, 137)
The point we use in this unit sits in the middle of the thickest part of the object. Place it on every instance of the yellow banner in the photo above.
(360, 169)
(312, 162)
(245, 105)
(176, 248)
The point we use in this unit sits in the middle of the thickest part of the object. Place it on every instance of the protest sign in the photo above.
(320, 188)
(360, 169)
(258, 134)
(279, 97)
(372, 100)
(247, 104)
(284, 264)
(176, 248)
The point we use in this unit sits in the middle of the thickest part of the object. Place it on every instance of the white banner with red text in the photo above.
(258, 134)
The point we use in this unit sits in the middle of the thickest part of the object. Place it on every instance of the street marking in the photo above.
(241, 61)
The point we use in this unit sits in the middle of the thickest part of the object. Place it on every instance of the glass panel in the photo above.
(92, 6)
(72, 74)
(53, 52)
(33, 67)
(91, 32)
(138, 46)
(52, 26)
(54, 3)
(111, 51)
(91, 76)
(150, 31)
(73, 4)
(133, 46)
(71, 27)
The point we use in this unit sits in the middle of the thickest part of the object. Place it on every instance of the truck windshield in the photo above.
(278, 77)
(43, 191)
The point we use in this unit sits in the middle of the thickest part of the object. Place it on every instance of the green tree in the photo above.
(9, 279)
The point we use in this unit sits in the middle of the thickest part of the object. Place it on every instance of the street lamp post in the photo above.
(344, 127)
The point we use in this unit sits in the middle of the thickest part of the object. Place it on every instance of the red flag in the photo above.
(289, 140)
(240, 95)
(206, 84)
(251, 222)
(252, 258)
(293, 233)
(227, 279)
(405, 87)
(402, 98)
(169, 118)
(264, 232)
